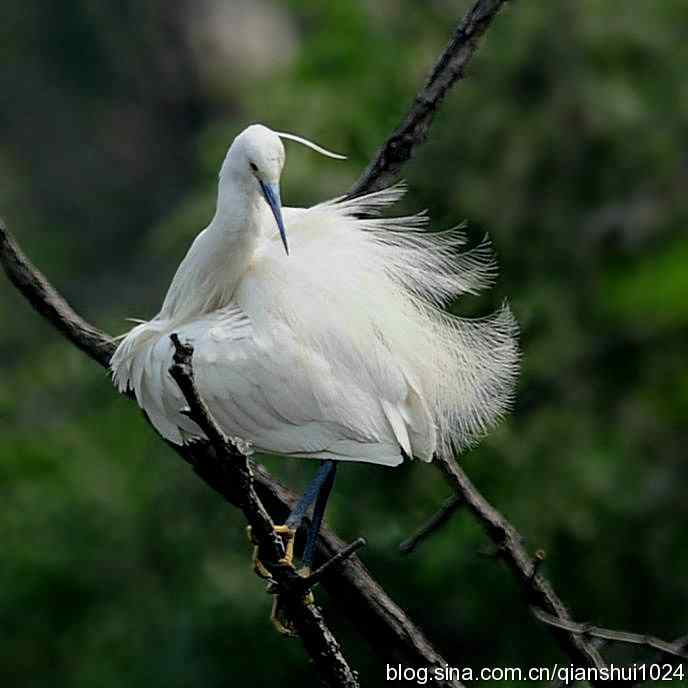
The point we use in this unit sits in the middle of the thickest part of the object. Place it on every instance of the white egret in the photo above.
(320, 332)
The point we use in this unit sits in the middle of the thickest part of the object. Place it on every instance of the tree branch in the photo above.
(536, 589)
(229, 454)
(232, 456)
(414, 128)
(50, 304)
(357, 594)
(675, 649)
(442, 516)
(335, 560)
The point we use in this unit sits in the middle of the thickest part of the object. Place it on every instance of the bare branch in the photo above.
(339, 558)
(442, 516)
(318, 640)
(536, 588)
(681, 643)
(50, 304)
(414, 128)
(675, 649)
(231, 454)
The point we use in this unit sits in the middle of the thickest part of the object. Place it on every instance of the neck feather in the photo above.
(219, 256)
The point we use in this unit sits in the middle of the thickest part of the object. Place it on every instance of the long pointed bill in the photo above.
(271, 193)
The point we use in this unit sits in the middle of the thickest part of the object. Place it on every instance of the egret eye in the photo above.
(253, 166)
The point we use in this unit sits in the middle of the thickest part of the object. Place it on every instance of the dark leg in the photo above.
(318, 513)
(318, 490)
(324, 476)
(312, 491)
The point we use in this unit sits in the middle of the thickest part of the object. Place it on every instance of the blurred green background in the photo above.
(567, 144)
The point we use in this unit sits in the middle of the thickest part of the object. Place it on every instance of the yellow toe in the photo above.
(288, 536)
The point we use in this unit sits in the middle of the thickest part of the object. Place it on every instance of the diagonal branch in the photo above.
(414, 128)
(440, 518)
(536, 589)
(230, 456)
(341, 556)
(50, 304)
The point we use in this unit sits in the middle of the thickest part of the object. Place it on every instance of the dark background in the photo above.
(567, 144)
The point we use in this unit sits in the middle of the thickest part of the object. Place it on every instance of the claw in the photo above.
(258, 567)
(288, 536)
(279, 619)
(278, 616)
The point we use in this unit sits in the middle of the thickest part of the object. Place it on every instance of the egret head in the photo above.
(257, 157)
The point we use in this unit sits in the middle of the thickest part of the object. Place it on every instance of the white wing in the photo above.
(265, 389)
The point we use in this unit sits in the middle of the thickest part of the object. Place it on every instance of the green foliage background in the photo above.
(567, 144)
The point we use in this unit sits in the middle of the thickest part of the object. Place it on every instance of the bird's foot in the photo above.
(288, 535)
(278, 616)
(280, 619)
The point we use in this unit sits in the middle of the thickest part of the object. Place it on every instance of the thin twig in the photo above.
(414, 128)
(441, 516)
(675, 649)
(681, 643)
(336, 560)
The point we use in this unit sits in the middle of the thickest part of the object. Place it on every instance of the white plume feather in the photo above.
(401, 276)
(343, 349)
(310, 144)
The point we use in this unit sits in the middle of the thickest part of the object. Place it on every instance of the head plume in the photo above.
(310, 144)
